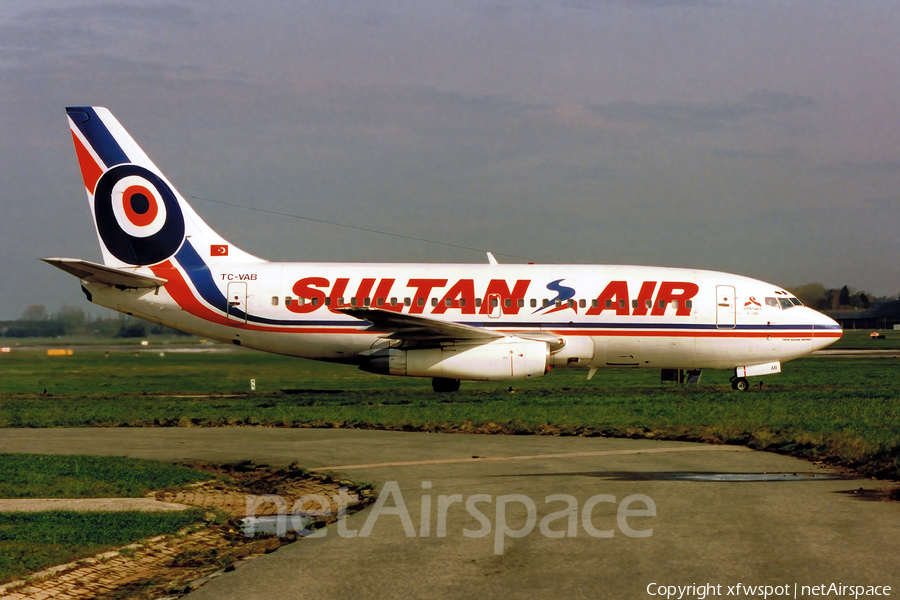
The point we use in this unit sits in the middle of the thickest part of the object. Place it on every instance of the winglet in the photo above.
(491, 259)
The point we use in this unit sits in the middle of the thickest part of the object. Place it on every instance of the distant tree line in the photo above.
(37, 321)
(816, 295)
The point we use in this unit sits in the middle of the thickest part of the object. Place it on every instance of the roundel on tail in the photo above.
(138, 216)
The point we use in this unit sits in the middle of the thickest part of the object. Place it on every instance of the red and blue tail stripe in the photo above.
(98, 136)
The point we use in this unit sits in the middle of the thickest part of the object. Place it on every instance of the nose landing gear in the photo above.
(740, 384)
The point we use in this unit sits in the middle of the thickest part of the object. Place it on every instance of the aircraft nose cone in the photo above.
(826, 331)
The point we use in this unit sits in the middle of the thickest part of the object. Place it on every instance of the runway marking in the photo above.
(447, 461)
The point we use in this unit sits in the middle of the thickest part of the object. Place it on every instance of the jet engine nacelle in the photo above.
(503, 359)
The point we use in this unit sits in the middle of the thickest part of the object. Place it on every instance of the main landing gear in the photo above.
(440, 385)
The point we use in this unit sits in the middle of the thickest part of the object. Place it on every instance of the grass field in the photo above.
(30, 542)
(75, 476)
(862, 340)
(844, 410)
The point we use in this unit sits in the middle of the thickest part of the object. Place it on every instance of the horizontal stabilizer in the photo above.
(94, 273)
(413, 327)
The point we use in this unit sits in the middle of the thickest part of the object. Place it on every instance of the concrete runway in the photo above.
(786, 525)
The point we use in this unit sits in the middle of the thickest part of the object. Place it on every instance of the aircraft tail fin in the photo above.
(141, 219)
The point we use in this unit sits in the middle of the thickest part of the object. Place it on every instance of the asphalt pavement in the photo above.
(470, 516)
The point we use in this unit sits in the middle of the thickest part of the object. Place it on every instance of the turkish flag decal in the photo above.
(218, 250)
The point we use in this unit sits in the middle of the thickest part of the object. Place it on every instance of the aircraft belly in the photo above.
(668, 352)
(643, 351)
(725, 353)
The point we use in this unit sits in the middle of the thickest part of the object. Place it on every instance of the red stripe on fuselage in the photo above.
(684, 334)
(181, 292)
(178, 288)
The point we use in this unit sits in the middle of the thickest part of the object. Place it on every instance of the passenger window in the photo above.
(393, 302)
(507, 302)
(462, 302)
(434, 301)
(478, 302)
(353, 301)
(662, 303)
(380, 302)
(689, 304)
(571, 303)
(520, 302)
(621, 304)
(495, 302)
(407, 301)
(421, 302)
(582, 303)
(634, 304)
(301, 301)
(448, 302)
(546, 303)
(594, 303)
(675, 304)
(287, 300)
(367, 301)
(558, 303)
(648, 303)
(328, 301)
(609, 304)
(274, 300)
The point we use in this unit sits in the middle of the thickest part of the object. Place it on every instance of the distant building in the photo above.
(881, 315)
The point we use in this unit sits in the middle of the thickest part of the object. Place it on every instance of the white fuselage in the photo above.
(609, 316)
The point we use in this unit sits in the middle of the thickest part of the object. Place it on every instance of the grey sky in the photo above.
(752, 137)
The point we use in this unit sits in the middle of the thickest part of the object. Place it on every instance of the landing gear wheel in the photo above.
(441, 385)
(740, 384)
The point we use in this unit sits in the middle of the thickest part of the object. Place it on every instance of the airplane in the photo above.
(448, 322)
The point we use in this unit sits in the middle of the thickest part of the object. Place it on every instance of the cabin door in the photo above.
(725, 308)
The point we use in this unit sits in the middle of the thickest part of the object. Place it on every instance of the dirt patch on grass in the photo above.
(173, 565)
(874, 495)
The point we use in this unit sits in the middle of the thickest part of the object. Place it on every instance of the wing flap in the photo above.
(417, 328)
(96, 273)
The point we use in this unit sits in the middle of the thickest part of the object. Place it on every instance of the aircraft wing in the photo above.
(417, 328)
(95, 273)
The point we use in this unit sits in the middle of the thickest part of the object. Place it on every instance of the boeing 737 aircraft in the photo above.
(449, 322)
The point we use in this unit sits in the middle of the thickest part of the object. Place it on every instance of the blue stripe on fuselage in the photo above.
(200, 275)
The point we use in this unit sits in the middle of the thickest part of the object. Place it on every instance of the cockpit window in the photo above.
(785, 303)
(772, 302)
(796, 302)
